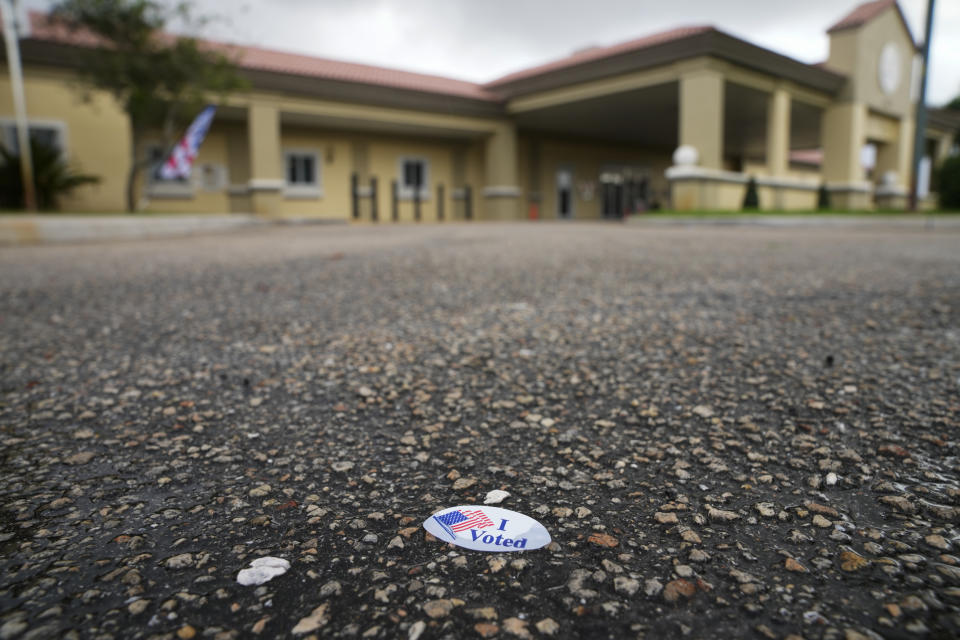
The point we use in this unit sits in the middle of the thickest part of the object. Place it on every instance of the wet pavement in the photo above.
(744, 432)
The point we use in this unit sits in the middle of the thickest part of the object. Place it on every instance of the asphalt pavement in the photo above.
(728, 432)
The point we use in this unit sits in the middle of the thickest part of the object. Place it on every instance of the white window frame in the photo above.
(305, 191)
(172, 189)
(403, 191)
(220, 175)
(59, 125)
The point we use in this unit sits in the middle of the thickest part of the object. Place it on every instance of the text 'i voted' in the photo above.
(487, 529)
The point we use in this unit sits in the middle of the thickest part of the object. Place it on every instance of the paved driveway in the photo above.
(739, 432)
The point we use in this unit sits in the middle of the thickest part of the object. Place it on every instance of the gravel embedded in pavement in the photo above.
(728, 432)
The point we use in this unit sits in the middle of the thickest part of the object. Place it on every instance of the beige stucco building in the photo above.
(679, 119)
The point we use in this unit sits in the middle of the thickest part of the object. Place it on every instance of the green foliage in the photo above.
(823, 198)
(751, 201)
(954, 105)
(949, 183)
(52, 177)
(161, 80)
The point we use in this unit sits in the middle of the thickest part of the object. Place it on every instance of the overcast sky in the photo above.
(480, 40)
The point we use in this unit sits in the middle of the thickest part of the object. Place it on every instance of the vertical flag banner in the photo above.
(180, 162)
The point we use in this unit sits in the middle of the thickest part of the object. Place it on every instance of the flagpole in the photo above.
(920, 133)
(8, 13)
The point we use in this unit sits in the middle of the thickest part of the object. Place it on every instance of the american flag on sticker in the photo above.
(458, 520)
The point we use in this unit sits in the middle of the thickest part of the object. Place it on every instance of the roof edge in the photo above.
(943, 118)
(593, 54)
(252, 58)
(704, 42)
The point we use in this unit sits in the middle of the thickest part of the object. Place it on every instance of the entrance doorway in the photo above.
(564, 193)
(623, 191)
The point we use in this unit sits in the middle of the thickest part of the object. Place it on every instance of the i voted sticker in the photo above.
(487, 529)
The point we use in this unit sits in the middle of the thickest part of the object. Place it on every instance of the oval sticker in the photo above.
(487, 529)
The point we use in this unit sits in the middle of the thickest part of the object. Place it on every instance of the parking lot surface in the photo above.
(727, 432)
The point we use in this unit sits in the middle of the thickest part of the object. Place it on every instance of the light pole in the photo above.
(920, 134)
(8, 12)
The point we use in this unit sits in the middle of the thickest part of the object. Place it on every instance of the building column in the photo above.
(778, 132)
(892, 173)
(501, 193)
(238, 168)
(266, 166)
(905, 151)
(701, 115)
(778, 140)
(843, 134)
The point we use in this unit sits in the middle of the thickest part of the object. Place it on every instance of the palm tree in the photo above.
(52, 177)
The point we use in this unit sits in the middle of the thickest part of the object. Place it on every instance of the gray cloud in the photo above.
(481, 40)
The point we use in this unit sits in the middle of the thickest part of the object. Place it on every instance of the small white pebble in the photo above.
(496, 497)
(262, 570)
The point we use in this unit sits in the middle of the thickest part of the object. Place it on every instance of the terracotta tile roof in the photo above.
(862, 14)
(43, 28)
(597, 53)
(280, 62)
(255, 58)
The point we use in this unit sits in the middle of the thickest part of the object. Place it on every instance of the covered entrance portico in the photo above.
(607, 153)
(705, 113)
(617, 134)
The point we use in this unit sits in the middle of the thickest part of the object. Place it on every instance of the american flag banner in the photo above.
(180, 162)
(461, 520)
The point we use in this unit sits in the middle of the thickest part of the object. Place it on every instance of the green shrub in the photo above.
(823, 198)
(751, 201)
(52, 177)
(949, 183)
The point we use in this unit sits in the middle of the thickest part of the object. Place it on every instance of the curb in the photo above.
(29, 230)
(915, 221)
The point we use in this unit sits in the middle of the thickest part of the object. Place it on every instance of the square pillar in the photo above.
(905, 151)
(894, 167)
(778, 132)
(238, 168)
(778, 141)
(501, 192)
(891, 187)
(701, 115)
(843, 134)
(266, 162)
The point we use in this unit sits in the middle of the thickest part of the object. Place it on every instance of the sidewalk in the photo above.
(916, 221)
(26, 230)
(20, 230)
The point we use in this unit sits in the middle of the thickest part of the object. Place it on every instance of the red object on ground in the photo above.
(534, 211)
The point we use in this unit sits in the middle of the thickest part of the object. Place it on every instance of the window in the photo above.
(302, 174)
(213, 177)
(414, 174)
(46, 134)
(301, 169)
(158, 187)
(157, 155)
